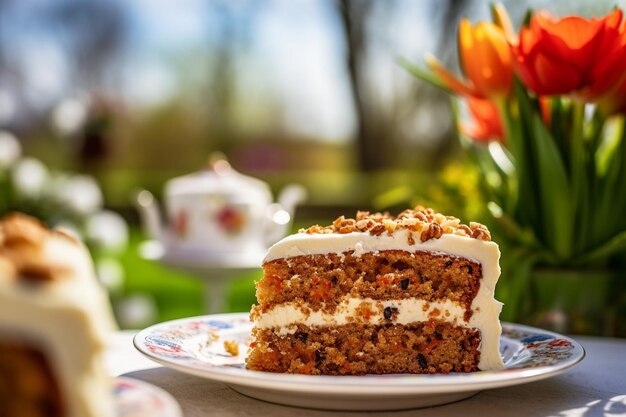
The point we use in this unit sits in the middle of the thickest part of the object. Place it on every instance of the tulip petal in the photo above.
(485, 123)
(449, 79)
(613, 19)
(486, 58)
(475, 130)
(571, 39)
(555, 77)
(502, 19)
(609, 62)
(581, 55)
(492, 68)
(575, 31)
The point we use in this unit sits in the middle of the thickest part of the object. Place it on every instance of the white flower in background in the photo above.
(136, 311)
(7, 107)
(110, 272)
(107, 230)
(70, 114)
(29, 177)
(80, 193)
(10, 149)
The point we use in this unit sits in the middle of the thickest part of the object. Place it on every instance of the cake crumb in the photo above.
(232, 347)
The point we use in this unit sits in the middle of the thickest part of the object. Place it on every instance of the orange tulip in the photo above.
(571, 55)
(545, 110)
(486, 124)
(486, 60)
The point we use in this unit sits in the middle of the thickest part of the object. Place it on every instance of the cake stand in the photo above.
(214, 271)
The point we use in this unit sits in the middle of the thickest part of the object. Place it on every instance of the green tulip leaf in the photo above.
(422, 74)
(613, 246)
(549, 183)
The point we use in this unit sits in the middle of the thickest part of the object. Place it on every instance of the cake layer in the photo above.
(27, 384)
(396, 274)
(285, 318)
(357, 349)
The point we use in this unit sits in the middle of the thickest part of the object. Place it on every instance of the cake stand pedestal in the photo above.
(214, 272)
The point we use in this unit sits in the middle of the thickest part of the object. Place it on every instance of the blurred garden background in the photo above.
(99, 98)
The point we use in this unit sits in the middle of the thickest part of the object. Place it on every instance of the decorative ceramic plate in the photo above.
(134, 398)
(197, 346)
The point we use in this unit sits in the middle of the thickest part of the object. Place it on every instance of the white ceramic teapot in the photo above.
(218, 214)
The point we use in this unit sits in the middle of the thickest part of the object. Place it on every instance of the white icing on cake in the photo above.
(68, 319)
(485, 309)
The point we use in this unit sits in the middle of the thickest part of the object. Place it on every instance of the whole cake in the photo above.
(379, 294)
(54, 318)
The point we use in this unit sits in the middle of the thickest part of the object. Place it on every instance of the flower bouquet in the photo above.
(545, 108)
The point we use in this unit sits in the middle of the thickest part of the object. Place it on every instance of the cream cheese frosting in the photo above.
(69, 318)
(485, 308)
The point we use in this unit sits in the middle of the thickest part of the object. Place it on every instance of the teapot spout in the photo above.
(149, 214)
(290, 197)
(280, 214)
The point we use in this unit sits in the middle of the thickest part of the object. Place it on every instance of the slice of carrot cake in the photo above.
(379, 294)
(54, 321)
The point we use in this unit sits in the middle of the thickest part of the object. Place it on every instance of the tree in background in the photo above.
(383, 126)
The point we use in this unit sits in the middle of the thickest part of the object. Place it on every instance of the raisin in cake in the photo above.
(54, 318)
(379, 294)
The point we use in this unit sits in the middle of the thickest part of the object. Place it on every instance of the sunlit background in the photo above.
(99, 98)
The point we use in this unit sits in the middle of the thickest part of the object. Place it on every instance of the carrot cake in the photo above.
(54, 318)
(379, 294)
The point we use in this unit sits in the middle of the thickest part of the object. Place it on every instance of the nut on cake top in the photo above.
(22, 240)
(426, 221)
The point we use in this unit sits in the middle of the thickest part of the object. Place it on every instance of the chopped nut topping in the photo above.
(21, 242)
(430, 225)
(17, 230)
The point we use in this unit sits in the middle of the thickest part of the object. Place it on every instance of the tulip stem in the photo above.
(577, 164)
(512, 136)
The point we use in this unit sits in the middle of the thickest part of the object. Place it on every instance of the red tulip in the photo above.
(572, 55)
(485, 124)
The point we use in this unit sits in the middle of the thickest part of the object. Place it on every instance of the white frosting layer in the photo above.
(485, 308)
(69, 319)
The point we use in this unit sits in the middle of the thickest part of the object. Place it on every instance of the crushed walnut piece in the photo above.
(21, 243)
(425, 221)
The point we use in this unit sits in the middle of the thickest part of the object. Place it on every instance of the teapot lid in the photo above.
(219, 178)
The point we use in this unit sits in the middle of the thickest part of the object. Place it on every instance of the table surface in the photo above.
(595, 387)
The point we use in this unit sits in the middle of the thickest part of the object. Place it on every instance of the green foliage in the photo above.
(554, 187)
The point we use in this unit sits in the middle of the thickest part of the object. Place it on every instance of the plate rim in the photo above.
(170, 404)
(405, 384)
